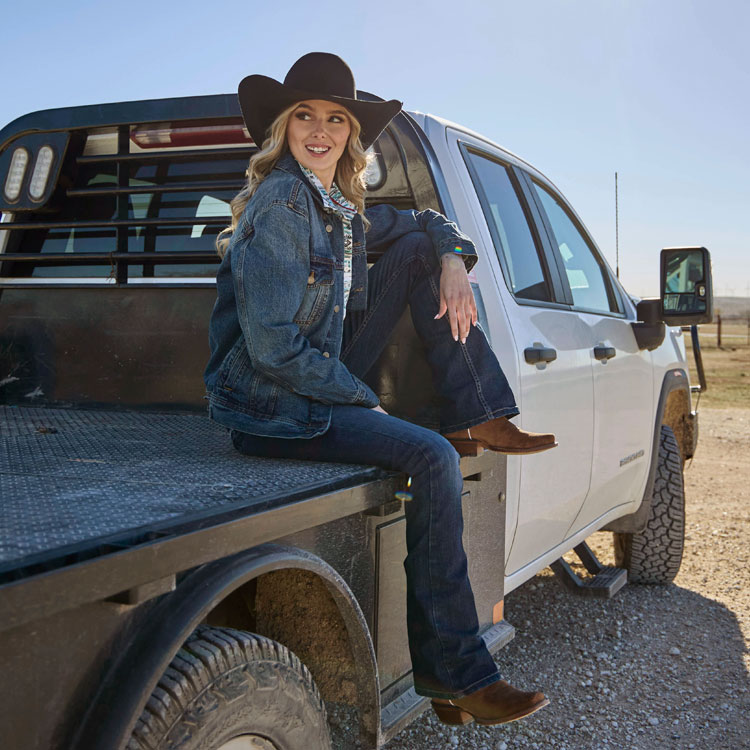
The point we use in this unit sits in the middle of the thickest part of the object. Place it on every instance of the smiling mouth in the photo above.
(318, 149)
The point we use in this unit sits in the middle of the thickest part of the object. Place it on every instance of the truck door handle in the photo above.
(534, 355)
(604, 352)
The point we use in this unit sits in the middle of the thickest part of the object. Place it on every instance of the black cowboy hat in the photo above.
(316, 75)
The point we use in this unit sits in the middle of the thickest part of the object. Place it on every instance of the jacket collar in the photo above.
(288, 163)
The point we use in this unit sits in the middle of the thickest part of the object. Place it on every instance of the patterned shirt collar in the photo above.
(335, 200)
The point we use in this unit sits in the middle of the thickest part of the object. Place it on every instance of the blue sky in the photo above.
(657, 91)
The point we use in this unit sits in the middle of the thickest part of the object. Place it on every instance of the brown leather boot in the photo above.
(500, 435)
(497, 703)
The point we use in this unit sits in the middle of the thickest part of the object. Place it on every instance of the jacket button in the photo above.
(336, 308)
(329, 228)
(326, 355)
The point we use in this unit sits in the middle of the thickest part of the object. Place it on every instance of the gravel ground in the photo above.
(654, 667)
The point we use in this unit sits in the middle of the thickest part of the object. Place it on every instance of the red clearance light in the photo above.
(163, 135)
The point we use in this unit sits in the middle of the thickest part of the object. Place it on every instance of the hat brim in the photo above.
(262, 98)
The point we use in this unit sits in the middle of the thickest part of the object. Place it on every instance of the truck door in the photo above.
(623, 374)
(522, 292)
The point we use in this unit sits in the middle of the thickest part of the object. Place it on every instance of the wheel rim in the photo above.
(248, 742)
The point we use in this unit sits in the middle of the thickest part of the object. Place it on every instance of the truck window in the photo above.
(585, 272)
(514, 242)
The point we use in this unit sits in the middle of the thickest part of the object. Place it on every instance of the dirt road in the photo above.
(655, 667)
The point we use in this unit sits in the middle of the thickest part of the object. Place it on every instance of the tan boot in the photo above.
(500, 435)
(497, 703)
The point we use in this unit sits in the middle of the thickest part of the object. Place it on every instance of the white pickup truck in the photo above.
(157, 589)
(585, 360)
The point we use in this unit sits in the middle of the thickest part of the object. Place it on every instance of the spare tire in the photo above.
(228, 689)
(654, 555)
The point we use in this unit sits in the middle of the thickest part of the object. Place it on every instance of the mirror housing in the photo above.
(686, 286)
(649, 330)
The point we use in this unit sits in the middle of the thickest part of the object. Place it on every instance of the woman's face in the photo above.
(321, 125)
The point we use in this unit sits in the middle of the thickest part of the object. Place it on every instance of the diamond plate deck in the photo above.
(72, 479)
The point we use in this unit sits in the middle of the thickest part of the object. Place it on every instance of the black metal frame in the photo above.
(698, 359)
(121, 259)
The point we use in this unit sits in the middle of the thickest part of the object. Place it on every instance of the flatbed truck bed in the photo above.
(91, 486)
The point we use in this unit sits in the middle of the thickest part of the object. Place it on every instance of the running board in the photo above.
(606, 581)
(403, 710)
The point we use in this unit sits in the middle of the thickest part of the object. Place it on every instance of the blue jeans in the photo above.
(449, 658)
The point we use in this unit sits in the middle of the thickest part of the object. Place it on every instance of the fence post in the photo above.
(718, 332)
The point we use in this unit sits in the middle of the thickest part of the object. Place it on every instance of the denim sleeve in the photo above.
(389, 223)
(270, 264)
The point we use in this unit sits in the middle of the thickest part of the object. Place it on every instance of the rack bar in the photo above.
(191, 220)
(176, 188)
(83, 259)
(175, 155)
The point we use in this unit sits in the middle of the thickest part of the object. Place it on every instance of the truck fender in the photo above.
(143, 658)
(634, 523)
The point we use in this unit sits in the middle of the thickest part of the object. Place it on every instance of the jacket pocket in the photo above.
(243, 385)
(318, 292)
(234, 365)
(263, 396)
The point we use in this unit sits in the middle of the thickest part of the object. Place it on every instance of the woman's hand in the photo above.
(379, 408)
(457, 297)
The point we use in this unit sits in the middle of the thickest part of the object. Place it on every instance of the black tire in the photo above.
(224, 684)
(655, 554)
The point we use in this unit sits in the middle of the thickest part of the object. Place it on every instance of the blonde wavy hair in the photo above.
(349, 176)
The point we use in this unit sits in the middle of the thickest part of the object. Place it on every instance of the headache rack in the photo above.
(136, 193)
(148, 193)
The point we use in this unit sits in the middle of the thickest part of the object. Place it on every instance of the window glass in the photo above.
(514, 242)
(586, 276)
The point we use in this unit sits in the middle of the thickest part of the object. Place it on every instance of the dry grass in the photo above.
(727, 367)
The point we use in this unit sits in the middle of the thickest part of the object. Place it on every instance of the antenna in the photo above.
(617, 231)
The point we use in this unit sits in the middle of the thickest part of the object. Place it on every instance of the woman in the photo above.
(299, 320)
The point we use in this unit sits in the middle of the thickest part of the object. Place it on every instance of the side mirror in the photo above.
(686, 288)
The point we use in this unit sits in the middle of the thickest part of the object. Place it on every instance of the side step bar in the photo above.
(606, 581)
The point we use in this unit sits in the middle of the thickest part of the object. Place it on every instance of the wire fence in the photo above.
(727, 332)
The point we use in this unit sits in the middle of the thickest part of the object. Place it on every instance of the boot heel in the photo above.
(451, 714)
(467, 447)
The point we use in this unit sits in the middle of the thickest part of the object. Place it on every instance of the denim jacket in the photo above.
(276, 327)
